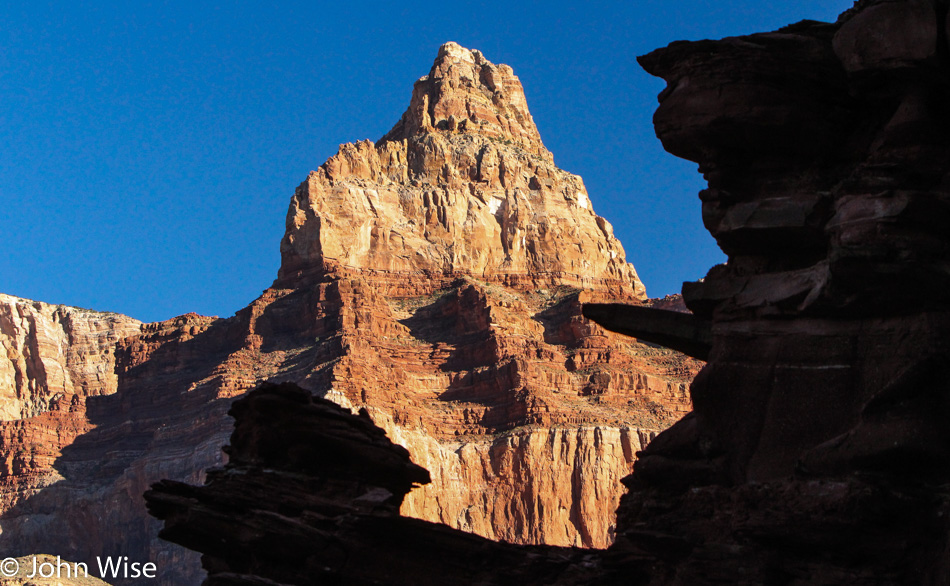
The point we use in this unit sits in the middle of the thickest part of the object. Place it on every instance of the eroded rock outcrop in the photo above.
(462, 185)
(309, 490)
(817, 450)
(827, 167)
(462, 249)
(434, 279)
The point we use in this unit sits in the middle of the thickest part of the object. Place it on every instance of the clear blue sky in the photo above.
(148, 150)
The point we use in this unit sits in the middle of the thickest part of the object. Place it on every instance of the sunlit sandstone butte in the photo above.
(434, 278)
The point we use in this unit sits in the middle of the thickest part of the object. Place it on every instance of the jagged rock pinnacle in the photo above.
(461, 185)
(464, 92)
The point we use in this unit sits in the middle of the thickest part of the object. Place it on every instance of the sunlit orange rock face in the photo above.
(52, 358)
(462, 185)
(52, 353)
(434, 278)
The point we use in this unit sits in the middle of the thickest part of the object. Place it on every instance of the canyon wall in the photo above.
(434, 279)
(54, 358)
(311, 495)
(457, 230)
(53, 352)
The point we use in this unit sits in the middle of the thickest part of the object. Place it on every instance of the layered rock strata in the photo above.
(462, 185)
(827, 167)
(817, 451)
(434, 279)
(478, 244)
(54, 358)
(54, 352)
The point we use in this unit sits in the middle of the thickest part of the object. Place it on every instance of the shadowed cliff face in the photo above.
(54, 359)
(817, 447)
(818, 450)
(825, 148)
(435, 279)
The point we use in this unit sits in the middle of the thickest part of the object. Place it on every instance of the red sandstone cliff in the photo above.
(435, 279)
(462, 247)
(54, 358)
(53, 352)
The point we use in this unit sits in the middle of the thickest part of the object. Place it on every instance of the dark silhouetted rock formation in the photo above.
(828, 161)
(311, 495)
(818, 450)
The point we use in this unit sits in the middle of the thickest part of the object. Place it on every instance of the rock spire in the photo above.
(461, 185)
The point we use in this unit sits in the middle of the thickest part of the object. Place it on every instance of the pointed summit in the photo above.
(464, 92)
(462, 185)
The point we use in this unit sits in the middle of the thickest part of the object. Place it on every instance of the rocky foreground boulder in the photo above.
(818, 450)
(434, 278)
(311, 495)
